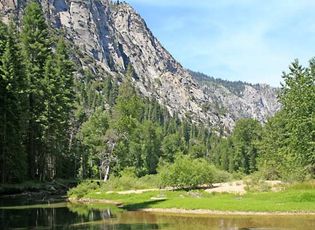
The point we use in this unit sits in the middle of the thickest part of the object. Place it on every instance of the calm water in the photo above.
(36, 214)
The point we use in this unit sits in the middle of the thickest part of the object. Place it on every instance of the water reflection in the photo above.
(79, 216)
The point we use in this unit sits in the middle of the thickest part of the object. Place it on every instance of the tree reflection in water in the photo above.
(97, 216)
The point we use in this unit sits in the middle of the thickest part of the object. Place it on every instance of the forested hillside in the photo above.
(55, 124)
(108, 37)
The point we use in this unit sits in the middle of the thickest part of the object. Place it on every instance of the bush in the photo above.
(187, 172)
(222, 176)
(83, 188)
(150, 181)
(128, 180)
(256, 183)
(238, 175)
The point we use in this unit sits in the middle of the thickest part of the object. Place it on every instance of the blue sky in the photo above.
(248, 40)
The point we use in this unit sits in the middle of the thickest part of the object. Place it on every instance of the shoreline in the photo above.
(223, 213)
(94, 201)
(180, 211)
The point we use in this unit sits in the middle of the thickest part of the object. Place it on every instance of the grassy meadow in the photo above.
(292, 198)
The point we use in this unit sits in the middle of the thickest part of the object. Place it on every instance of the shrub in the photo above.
(222, 176)
(83, 188)
(256, 183)
(128, 180)
(238, 175)
(187, 172)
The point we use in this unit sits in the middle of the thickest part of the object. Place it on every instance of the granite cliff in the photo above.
(111, 36)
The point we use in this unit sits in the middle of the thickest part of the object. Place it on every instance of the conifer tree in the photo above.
(11, 109)
(63, 96)
(35, 50)
(288, 144)
(3, 95)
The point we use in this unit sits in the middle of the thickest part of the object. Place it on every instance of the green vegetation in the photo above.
(236, 87)
(189, 173)
(287, 148)
(36, 100)
(239, 152)
(296, 198)
(97, 126)
(284, 147)
(122, 183)
(128, 180)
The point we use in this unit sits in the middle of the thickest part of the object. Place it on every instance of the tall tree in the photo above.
(275, 162)
(3, 101)
(94, 134)
(297, 97)
(145, 148)
(171, 145)
(246, 135)
(36, 49)
(12, 96)
(288, 145)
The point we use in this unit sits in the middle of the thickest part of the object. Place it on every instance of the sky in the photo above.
(247, 40)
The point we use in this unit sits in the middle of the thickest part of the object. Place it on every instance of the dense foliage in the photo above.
(56, 125)
(187, 172)
(288, 144)
(36, 100)
(239, 151)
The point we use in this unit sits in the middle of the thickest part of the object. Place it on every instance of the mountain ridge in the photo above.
(111, 36)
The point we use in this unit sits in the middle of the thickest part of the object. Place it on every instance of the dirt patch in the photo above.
(238, 187)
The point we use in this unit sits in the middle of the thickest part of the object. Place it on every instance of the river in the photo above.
(26, 213)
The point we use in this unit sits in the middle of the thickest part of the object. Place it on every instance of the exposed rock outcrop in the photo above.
(114, 35)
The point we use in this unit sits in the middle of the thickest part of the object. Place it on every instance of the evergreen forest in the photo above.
(57, 124)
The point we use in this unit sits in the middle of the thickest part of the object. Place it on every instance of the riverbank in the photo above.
(289, 201)
(85, 216)
(56, 187)
(223, 213)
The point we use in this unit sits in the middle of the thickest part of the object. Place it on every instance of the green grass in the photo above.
(291, 200)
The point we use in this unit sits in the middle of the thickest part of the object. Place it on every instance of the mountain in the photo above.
(237, 99)
(107, 37)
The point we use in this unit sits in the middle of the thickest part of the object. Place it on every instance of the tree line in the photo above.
(56, 125)
(283, 147)
(36, 94)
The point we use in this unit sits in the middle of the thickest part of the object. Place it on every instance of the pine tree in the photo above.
(297, 98)
(246, 134)
(35, 50)
(3, 95)
(288, 142)
(64, 96)
(12, 107)
(49, 122)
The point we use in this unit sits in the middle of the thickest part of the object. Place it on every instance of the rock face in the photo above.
(234, 100)
(115, 36)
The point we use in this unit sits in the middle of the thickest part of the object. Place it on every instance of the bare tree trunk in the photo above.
(106, 172)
